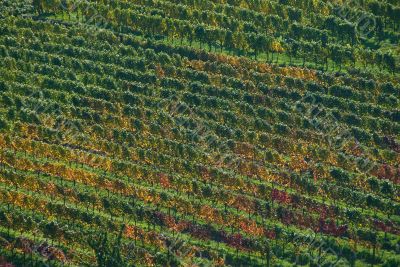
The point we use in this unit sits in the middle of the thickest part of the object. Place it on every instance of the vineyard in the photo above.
(199, 133)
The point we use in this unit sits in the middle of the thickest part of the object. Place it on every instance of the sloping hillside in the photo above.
(199, 133)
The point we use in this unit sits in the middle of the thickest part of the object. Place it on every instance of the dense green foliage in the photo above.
(206, 133)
